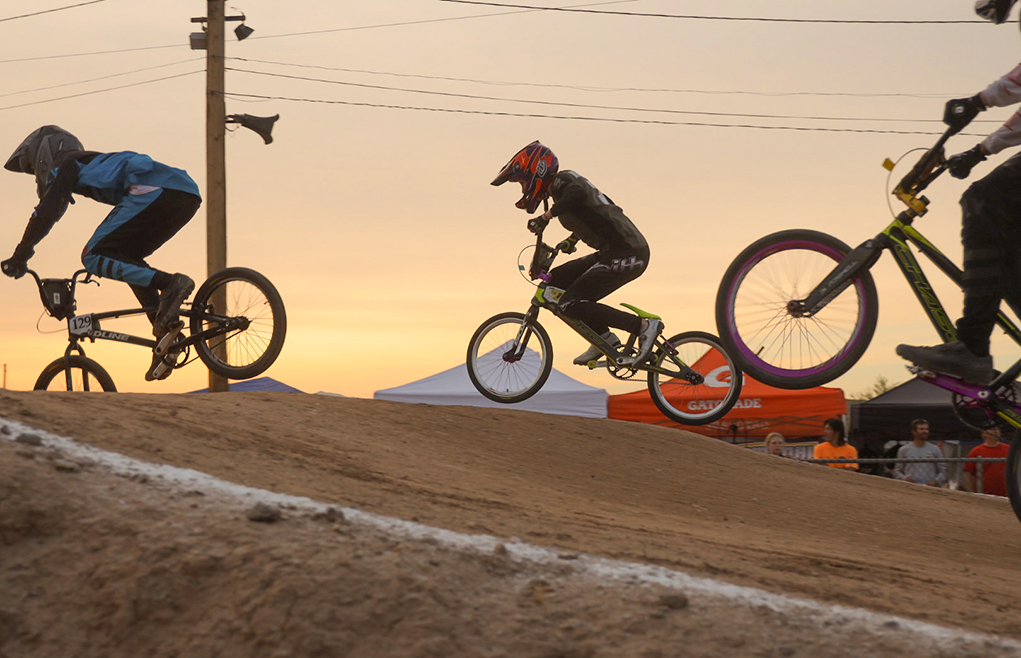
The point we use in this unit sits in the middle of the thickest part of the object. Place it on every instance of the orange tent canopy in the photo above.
(761, 409)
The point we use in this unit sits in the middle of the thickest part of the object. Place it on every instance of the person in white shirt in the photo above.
(991, 227)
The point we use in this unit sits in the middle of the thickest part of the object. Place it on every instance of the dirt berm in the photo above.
(93, 563)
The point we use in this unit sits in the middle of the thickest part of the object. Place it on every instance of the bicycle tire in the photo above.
(695, 404)
(89, 373)
(501, 379)
(771, 343)
(246, 352)
(1014, 475)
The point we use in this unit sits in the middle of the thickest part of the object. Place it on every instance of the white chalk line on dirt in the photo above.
(629, 573)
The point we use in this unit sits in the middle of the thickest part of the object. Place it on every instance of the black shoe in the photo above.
(171, 299)
(951, 359)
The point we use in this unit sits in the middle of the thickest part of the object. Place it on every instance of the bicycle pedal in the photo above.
(167, 340)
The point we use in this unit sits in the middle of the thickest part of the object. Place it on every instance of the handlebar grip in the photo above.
(537, 224)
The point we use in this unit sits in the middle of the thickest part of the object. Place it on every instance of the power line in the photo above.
(584, 118)
(583, 105)
(100, 91)
(50, 11)
(709, 18)
(294, 34)
(103, 77)
(503, 83)
(432, 20)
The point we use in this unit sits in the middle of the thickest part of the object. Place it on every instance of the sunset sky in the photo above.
(372, 210)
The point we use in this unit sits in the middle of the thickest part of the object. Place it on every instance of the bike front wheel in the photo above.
(75, 373)
(509, 358)
(246, 299)
(703, 391)
(759, 321)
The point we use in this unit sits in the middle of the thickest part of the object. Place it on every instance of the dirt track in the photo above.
(578, 486)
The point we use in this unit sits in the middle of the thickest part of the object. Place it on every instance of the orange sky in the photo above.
(379, 225)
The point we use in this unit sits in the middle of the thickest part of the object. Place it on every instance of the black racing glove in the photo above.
(960, 165)
(568, 246)
(959, 112)
(537, 224)
(17, 265)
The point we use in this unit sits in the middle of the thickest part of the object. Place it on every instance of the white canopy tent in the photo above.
(560, 395)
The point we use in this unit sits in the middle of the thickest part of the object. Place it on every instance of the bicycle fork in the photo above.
(520, 343)
(862, 257)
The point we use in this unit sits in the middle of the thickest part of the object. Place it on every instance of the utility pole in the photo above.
(212, 41)
(216, 169)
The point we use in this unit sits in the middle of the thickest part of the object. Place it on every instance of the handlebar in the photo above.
(73, 280)
(544, 255)
(926, 170)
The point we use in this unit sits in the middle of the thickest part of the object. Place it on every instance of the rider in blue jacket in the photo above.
(151, 203)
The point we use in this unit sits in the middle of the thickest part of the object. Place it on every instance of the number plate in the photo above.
(79, 325)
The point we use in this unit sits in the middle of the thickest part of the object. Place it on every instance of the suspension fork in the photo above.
(859, 259)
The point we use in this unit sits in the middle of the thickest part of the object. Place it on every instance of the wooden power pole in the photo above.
(216, 169)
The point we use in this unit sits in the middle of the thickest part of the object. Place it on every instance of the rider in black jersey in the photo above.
(991, 231)
(621, 255)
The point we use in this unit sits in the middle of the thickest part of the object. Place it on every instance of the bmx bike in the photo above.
(236, 323)
(798, 308)
(510, 356)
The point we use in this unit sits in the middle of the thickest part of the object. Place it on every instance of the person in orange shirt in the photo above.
(835, 446)
(994, 477)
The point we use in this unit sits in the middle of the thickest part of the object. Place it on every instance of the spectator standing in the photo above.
(775, 444)
(994, 476)
(927, 473)
(835, 445)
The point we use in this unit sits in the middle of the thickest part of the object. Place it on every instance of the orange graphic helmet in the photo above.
(534, 167)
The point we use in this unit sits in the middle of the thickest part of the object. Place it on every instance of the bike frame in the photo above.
(87, 326)
(896, 239)
(540, 301)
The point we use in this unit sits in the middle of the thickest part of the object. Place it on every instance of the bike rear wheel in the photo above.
(761, 327)
(695, 402)
(503, 369)
(75, 373)
(238, 292)
(1014, 475)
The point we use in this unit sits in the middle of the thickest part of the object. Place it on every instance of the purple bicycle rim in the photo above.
(745, 351)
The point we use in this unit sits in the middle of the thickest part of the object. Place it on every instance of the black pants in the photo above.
(991, 234)
(128, 245)
(590, 278)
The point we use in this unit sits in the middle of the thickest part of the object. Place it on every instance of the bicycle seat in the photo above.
(640, 313)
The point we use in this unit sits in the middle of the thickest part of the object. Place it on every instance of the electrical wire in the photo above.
(261, 97)
(585, 105)
(712, 18)
(502, 83)
(50, 11)
(291, 34)
(104, 77)
(100, 91)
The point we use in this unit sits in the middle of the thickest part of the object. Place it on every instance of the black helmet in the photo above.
(36, 155)
(994, 10)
